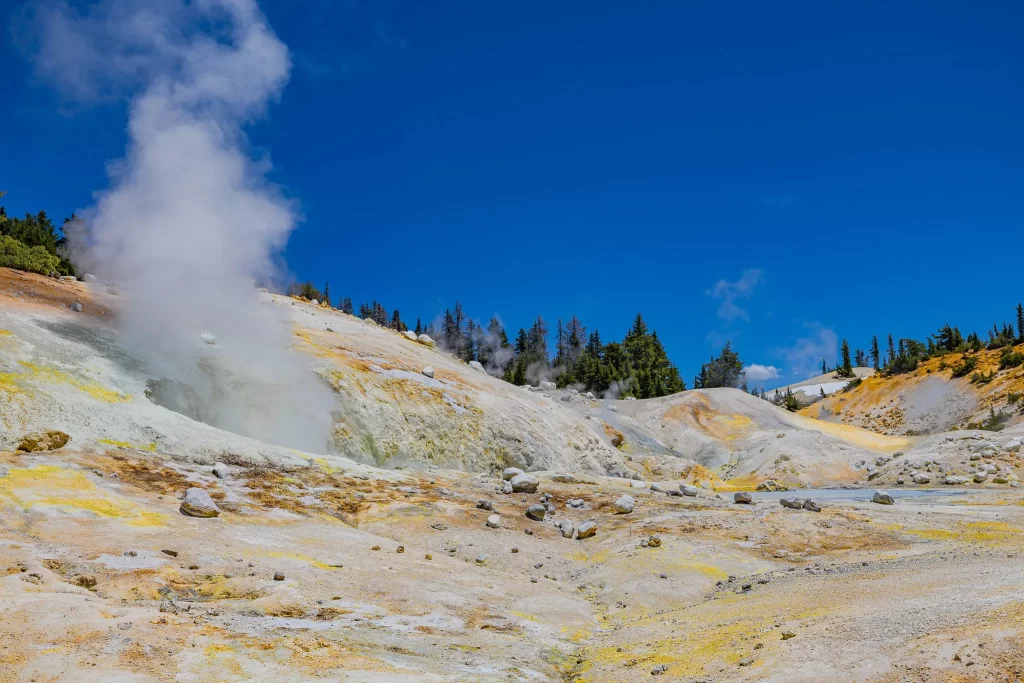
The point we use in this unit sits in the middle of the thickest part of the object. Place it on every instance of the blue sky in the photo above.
(778, 174)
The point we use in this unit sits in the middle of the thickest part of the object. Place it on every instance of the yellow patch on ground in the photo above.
(595, 557)
(973, 532)
(50, 485)
(857, 436)
(301, 558)
(37, 373)
(125, 444)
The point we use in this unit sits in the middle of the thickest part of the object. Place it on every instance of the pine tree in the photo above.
(419, 327)
(846, 370)
(396, 322)
(824, 367)
(724, 371)
(1020, 323)
(892, 351)
(874, 353)
(327, 294)
(346, 305)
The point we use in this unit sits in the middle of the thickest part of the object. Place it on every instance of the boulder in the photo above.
(410, 335)
(220, 470)
(586, 530)
(882, 498)
(743, 498)
(43, 441)
(625, 505)
(428, 371)
(953, 480)
(494, 521)
(511, 472)
(657, 488)
(980, 477)
(566, 529)
(637, 484)
(197, 503)
(524, 483)
(771, 485)
(812, 505)
(688, 490)
(576, 503)
(536, 512)
(921, 478)
(425, 339)
(485, 505)
(547, 386)
(476, 365)
(1012, 446)
(792, 503)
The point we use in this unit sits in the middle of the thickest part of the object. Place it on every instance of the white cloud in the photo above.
(759, 373)
(729, 292)
(805, 355)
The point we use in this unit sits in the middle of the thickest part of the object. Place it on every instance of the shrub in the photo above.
(965, 366)
(982, 377)
(15, 254)
(1010, 358)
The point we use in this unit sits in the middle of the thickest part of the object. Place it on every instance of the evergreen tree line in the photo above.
(33, 243)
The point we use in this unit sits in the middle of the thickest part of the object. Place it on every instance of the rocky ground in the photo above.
(415, 558)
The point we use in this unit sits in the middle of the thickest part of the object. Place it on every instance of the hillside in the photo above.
(929, 400)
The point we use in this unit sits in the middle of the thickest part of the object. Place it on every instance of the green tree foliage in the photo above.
(724, 371)
(965, 366)
(1010, 358)
(34, 230)
(998, 338)
(846, 369)
(875, 359)
(1020, 323)
(17, 255)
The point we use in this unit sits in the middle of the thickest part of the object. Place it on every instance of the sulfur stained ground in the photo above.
(931, 590)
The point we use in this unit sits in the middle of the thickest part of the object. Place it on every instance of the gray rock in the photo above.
(511, 472)
(980, 477)
(547, 386)
(76, 307)
(625, 505)
(536, 512)
(428, 371)
(278, 576)
(576, 503)
(485, 505)
(742, 497)
(476, 365)
(792, 503)
(494, 521)
(812, 505)
(688, 490)
(657, 488)
(921, 478)
(425, 339)
(566, 529)
(197, 503)
(220, 470)
(506, 487)
(525, 483)
(410, 335)
(882, 498)
(586, 529)
(953, 480)
(1012, 446)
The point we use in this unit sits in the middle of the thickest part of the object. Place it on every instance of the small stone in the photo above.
(400, 549)
(481, 559)
(746, 661)
(811, 505)
(278, 576)
(659, 670)
(220, 470)
(586, 530)
(524, 483)
(882, 498)
(688, 490)
(657, 488)
(428, 371)
(494, 521)
(743, 498)
(536, 512)
(786, 635)
(171, 553)
(428, 556)
(515, 551)
(792, 503)
(476, 365)
(625, 505)
(197, 503)
(485, 505)
(663, 576)
(654, 542)
(566, 528)
(76, 307)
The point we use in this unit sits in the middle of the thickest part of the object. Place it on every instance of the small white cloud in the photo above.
(805, 355)
(759, 373)
(729, 292)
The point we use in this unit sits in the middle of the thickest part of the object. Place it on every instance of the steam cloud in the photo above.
(190, 223)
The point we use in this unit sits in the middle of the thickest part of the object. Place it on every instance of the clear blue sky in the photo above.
(604, 158)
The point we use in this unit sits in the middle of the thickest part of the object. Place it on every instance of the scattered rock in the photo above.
(771, 485)
(792, 503)
(786, 635)
(653, 542)
(476, 365)
(547, 386)
(278, 576)
(625, 505)
(536, 512)
(400, 549)
(220, 470)
(953, 480)
(812, 505)
(657, 488)
(485, 505)
(76, 307)
(38, 442)
(197, 503)
(524, 483)
(576, 503)
(511, 472)
(410, 335)
(742, 497)
(637, 483)
(566, 529)
(921, 478)
(425, 339)
(980, 477)
(84, 581)
(428, 371)
(659, 670)
(170, 553)
(882, 498)
(586, 530)
(481, 559)
(688, 490)
(494, 521)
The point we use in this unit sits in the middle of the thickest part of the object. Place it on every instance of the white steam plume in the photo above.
(190, 222)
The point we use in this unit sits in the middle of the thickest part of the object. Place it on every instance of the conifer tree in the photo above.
(846, 370)
(892, 351)
(1020, 323)
(874, 353)
(327, 293)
